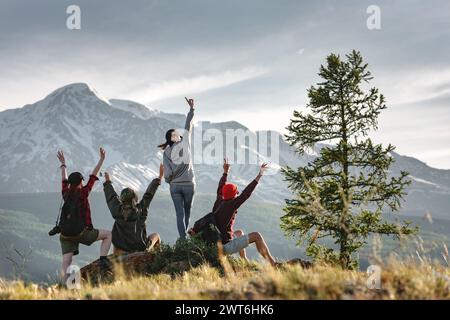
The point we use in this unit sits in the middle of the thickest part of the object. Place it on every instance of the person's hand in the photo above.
(191, 232)
(226, 166)
(102, 154)
(263, 168)
(161, 171)
(61, 158)
(107, 177)
(190, 102)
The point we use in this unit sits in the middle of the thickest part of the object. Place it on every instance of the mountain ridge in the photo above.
(77, 119)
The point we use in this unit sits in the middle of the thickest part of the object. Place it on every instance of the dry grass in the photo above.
(399, 280)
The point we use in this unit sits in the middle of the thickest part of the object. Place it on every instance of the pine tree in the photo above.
(343, 192)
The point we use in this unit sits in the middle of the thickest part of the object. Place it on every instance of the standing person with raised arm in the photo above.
(75, 224)
(179, 171)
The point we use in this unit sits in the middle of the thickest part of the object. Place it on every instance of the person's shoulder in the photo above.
(167, 150)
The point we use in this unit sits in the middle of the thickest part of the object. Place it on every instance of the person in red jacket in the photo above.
(225, 207)
(72, 186)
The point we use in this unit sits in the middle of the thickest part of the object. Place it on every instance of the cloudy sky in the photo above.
(249, 61)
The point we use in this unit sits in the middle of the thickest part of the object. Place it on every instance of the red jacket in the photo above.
(84, 194)
(227, 209)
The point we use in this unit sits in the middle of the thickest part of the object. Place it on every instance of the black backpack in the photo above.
(206, 228)
(72, 221)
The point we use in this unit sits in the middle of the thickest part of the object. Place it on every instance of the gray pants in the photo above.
(236, 245)
(182, 197)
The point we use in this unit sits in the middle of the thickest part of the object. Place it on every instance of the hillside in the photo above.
(195, 270)
(18, 230)
(398, 281)
(26, 218)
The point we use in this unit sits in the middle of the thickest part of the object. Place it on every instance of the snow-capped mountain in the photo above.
(78, 120)
(135, 108)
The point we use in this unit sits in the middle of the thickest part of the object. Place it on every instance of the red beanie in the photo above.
(229, 191)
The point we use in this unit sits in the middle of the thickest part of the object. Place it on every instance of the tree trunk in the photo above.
(344, 255)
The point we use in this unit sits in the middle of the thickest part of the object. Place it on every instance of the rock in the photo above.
(133, 263)
(177, 267)
(141, 263)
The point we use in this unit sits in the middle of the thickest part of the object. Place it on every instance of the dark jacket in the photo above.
(226, 210)
(130, 233)
(83, 198)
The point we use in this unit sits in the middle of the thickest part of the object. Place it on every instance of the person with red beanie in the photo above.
(225, 207)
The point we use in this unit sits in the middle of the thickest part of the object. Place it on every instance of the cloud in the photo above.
(202, 83)
(417, 85)
(157, 51)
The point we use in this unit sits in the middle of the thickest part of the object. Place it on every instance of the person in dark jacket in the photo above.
(225, 208)
(129, 233)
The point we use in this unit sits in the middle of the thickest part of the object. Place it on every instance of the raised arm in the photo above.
(189, 117)
(150, 192)
(65, 183)
(63, 167)
(93, 176)
(100, 162)
(262, 169)
(239, 200)
(223, 179)
(112, 199)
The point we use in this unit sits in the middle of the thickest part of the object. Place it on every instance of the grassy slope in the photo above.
(398, 281)
(24, 230)
(18, 228)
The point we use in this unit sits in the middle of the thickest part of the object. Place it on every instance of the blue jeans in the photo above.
(182, 197)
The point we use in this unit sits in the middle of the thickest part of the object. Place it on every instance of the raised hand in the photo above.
(263, 168)
(102, 154)
(61, 157)
(100, 162)
(62, 160)
(107, 177)
(190, 102)
(161, 171)
(226, 166)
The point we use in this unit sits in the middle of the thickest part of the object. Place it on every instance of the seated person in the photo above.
(129, 233)
(225, 209)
